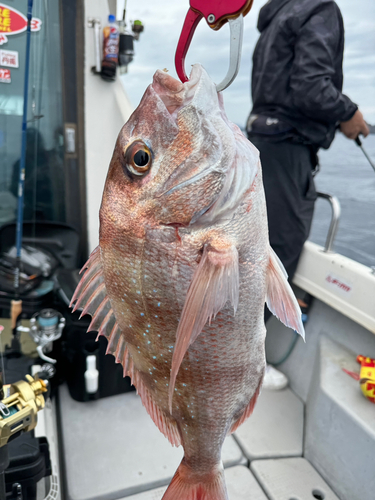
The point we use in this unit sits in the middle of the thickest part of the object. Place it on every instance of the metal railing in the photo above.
(336, 212)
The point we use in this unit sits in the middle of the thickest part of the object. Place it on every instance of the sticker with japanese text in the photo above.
(9, 58)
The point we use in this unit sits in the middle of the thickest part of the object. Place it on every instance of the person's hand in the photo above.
(355, 126)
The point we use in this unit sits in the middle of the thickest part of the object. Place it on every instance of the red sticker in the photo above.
(9, 58)
(339, 283)
(12, 22)
(5, 75)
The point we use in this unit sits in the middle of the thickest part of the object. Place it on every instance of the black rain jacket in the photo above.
(297, 68)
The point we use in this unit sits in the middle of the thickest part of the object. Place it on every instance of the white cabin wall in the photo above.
(106, 109)
(112, 4)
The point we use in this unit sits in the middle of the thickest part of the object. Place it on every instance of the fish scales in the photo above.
(186, 263)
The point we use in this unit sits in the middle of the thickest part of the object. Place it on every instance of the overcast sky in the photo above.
(163, 20)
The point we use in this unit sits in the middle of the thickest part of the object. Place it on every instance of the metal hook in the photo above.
(216, 14)
(236, 35)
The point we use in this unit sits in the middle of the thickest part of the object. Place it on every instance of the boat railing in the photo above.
(336, 212)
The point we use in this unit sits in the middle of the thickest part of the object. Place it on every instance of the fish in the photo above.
(182, 272)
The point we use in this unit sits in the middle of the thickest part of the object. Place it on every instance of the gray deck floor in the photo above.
(291, 479)
(114, 439)
(275, 429)
(112, 450)
(241, 485)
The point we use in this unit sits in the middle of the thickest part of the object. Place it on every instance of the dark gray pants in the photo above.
(290, 197)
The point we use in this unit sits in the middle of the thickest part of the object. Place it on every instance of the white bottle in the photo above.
(91, 375)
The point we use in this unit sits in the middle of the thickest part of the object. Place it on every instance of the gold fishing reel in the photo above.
(18, 410)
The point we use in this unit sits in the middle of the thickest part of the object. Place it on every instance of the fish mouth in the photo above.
(198, 93)
(174, 94)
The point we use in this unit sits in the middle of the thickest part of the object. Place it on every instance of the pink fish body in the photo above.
(183, 269)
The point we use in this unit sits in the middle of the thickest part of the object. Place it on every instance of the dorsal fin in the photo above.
(92, 266)
(91, 296)
(166, 425)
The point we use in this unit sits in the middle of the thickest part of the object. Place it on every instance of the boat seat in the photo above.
(340, 441)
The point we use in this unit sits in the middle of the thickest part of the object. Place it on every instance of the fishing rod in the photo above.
(16, 304)
(359, 143)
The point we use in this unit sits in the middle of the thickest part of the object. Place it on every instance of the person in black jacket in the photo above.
(298, 105)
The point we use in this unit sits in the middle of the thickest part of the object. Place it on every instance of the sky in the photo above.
(163, 20)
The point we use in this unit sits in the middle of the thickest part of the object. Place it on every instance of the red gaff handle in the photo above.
(221, 10)
(191, 22)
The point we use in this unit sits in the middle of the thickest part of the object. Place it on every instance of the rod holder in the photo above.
(96, 24)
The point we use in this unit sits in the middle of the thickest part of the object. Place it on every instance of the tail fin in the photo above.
(186, 485)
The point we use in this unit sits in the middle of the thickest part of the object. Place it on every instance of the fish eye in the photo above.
(138, 158)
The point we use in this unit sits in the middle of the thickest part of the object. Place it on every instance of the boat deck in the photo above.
(313, 440)
(113, 450)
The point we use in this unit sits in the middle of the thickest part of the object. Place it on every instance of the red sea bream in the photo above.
(183, 269)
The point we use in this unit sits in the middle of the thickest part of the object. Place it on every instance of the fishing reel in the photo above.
(126, 43)
(46, 326)
(126, 50)
(19, 407)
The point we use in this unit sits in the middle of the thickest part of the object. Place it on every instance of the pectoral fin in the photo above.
(281, 300)
(215, 281)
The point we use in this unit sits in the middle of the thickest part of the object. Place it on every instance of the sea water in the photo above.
(346, 173)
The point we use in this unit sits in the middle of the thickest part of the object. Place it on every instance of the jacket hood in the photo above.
(268, 12)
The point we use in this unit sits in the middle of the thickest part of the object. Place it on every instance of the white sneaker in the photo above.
(273, 379)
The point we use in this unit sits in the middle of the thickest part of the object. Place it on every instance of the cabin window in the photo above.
(44, 191)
